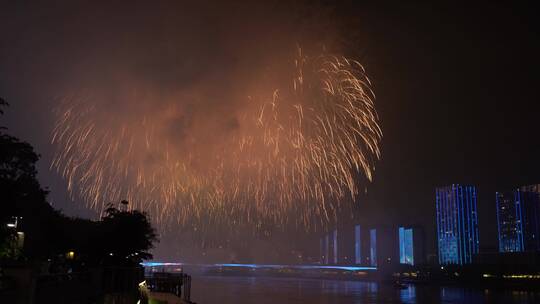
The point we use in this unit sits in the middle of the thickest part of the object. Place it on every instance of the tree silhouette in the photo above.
(127, 235)
(20, 192)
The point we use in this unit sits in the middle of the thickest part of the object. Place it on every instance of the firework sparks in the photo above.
(296, 150)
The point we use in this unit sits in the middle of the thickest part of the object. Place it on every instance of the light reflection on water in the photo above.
(243, 290)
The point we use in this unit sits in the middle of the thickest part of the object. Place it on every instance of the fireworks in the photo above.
(295, 149)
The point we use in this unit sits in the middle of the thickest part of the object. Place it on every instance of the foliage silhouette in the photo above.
(127, 235)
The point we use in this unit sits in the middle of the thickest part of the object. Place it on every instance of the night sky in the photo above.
(456, 85)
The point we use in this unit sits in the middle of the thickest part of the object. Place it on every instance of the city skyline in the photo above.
(441, 123)
(457, 232)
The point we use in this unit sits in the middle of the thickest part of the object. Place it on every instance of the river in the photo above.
(279, 290)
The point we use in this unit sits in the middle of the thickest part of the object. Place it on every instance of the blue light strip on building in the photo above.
(498, 206)
(256, 266)
(401, 233)
(474, 223)
(462, 250)
(438, 215)
(519, 218)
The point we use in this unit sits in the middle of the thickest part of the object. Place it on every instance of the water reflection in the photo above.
(243, 290)
(408, 295)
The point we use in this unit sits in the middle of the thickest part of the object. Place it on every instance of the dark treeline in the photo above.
(42, 233)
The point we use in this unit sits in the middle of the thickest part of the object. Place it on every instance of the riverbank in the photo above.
(28, 283)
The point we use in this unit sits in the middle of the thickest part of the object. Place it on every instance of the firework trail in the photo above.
(296, 149)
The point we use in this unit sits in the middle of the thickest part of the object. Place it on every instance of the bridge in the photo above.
(299, 269)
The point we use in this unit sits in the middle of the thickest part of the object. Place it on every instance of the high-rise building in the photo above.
(373, 247)
(531, 217)
(411, 245)
(323, 249)
(357, 245)
(507, 223)
(457, 224)
(335, 246)
(328, 246)
(406, 254)
(518, 219)
(383, 246)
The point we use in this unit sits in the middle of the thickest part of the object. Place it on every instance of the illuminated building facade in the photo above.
(335, 246)
(518, 219)
(406, 253)
(373, 247)
(507, 223)
(357, 245)
(411, 245)
(328, 247)
(323, 248)
(457, 224)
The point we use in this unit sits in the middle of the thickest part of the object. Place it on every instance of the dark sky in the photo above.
(457, 95)
(456, 85)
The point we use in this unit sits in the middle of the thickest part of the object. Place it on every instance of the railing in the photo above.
(178, 284)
